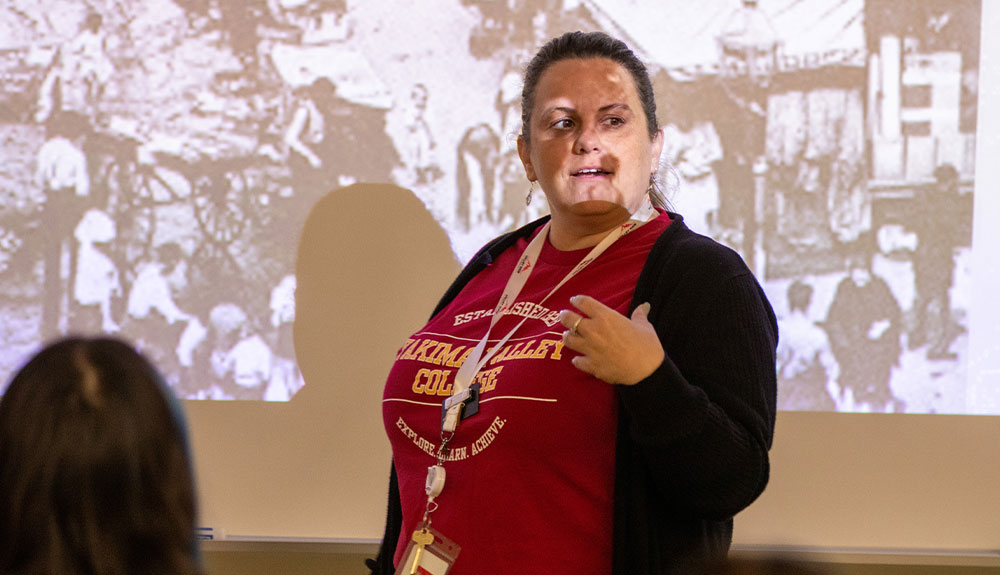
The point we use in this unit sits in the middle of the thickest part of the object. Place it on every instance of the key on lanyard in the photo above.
(422, 539)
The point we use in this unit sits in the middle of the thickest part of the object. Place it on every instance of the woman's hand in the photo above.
(613, 348)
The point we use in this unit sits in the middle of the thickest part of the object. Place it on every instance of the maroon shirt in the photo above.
(530, 478)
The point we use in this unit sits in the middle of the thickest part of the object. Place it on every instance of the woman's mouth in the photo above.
(590, 172)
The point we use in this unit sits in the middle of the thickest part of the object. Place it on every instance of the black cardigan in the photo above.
(693, 438)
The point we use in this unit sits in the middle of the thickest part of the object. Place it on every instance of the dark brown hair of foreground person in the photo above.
(95, 475)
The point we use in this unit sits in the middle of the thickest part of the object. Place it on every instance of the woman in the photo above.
(624, 399)
(312, 141)
(95, 475)
(332, 144)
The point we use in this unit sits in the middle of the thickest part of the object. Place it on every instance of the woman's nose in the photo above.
(588, 140)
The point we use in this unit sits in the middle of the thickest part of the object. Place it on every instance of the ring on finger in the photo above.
(576, 324)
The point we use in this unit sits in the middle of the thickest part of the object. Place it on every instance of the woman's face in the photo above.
(590, 148)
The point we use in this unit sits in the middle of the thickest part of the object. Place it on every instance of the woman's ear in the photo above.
(524, 152)
(657, 144)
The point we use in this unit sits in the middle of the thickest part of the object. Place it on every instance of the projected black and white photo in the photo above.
(159, 158)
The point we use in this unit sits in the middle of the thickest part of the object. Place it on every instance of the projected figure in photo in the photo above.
(97, 280)
(934, 265)
(805, 362)
(512, 211)
(486, 177)
(419, 146)
(477, 153)
(489, 176)
(240, 359)
(62, 175)
(863, 324)
(693, 148)
(313, 144)
(155, 284)
(155, 320)
(78, 74)
(335, 142)
(286, 378)
(509, 23)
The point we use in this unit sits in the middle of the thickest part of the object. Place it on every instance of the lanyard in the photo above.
(518, 278)
(463, 389)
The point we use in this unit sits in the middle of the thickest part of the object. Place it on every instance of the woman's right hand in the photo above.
(614, 348)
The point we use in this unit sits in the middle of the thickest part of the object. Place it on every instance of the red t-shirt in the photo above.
(530, 478)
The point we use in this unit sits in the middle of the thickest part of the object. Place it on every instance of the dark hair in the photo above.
(322, 91)
(95, 473)
(799, 295)
(860, 252)
(586, 45)
(170, 253)
(946, 173)
(93, 21)
(67, 124)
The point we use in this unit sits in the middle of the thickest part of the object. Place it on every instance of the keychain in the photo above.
(421, 539)
(429, 552)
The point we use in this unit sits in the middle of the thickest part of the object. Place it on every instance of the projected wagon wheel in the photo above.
(220, 205)
(134, 192)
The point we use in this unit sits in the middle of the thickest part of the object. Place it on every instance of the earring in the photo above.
(531, 190)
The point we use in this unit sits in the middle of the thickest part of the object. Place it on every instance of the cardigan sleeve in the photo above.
(382, 563)
(704, 420)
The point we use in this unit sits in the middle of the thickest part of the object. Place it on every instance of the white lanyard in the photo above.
(477, 359)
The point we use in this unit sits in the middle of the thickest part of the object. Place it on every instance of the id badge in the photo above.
(428, 553)
(470, 403)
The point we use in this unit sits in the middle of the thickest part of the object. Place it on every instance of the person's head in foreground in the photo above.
(95, 475)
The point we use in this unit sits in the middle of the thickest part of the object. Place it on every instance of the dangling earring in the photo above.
(531, 190)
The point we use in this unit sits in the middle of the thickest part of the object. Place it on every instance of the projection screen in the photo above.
(265, 195)
(202, 134)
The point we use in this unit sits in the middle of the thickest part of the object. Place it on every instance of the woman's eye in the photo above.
(615, 121)
(565, 123)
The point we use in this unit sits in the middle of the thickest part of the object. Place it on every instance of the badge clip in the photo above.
(459, 407)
